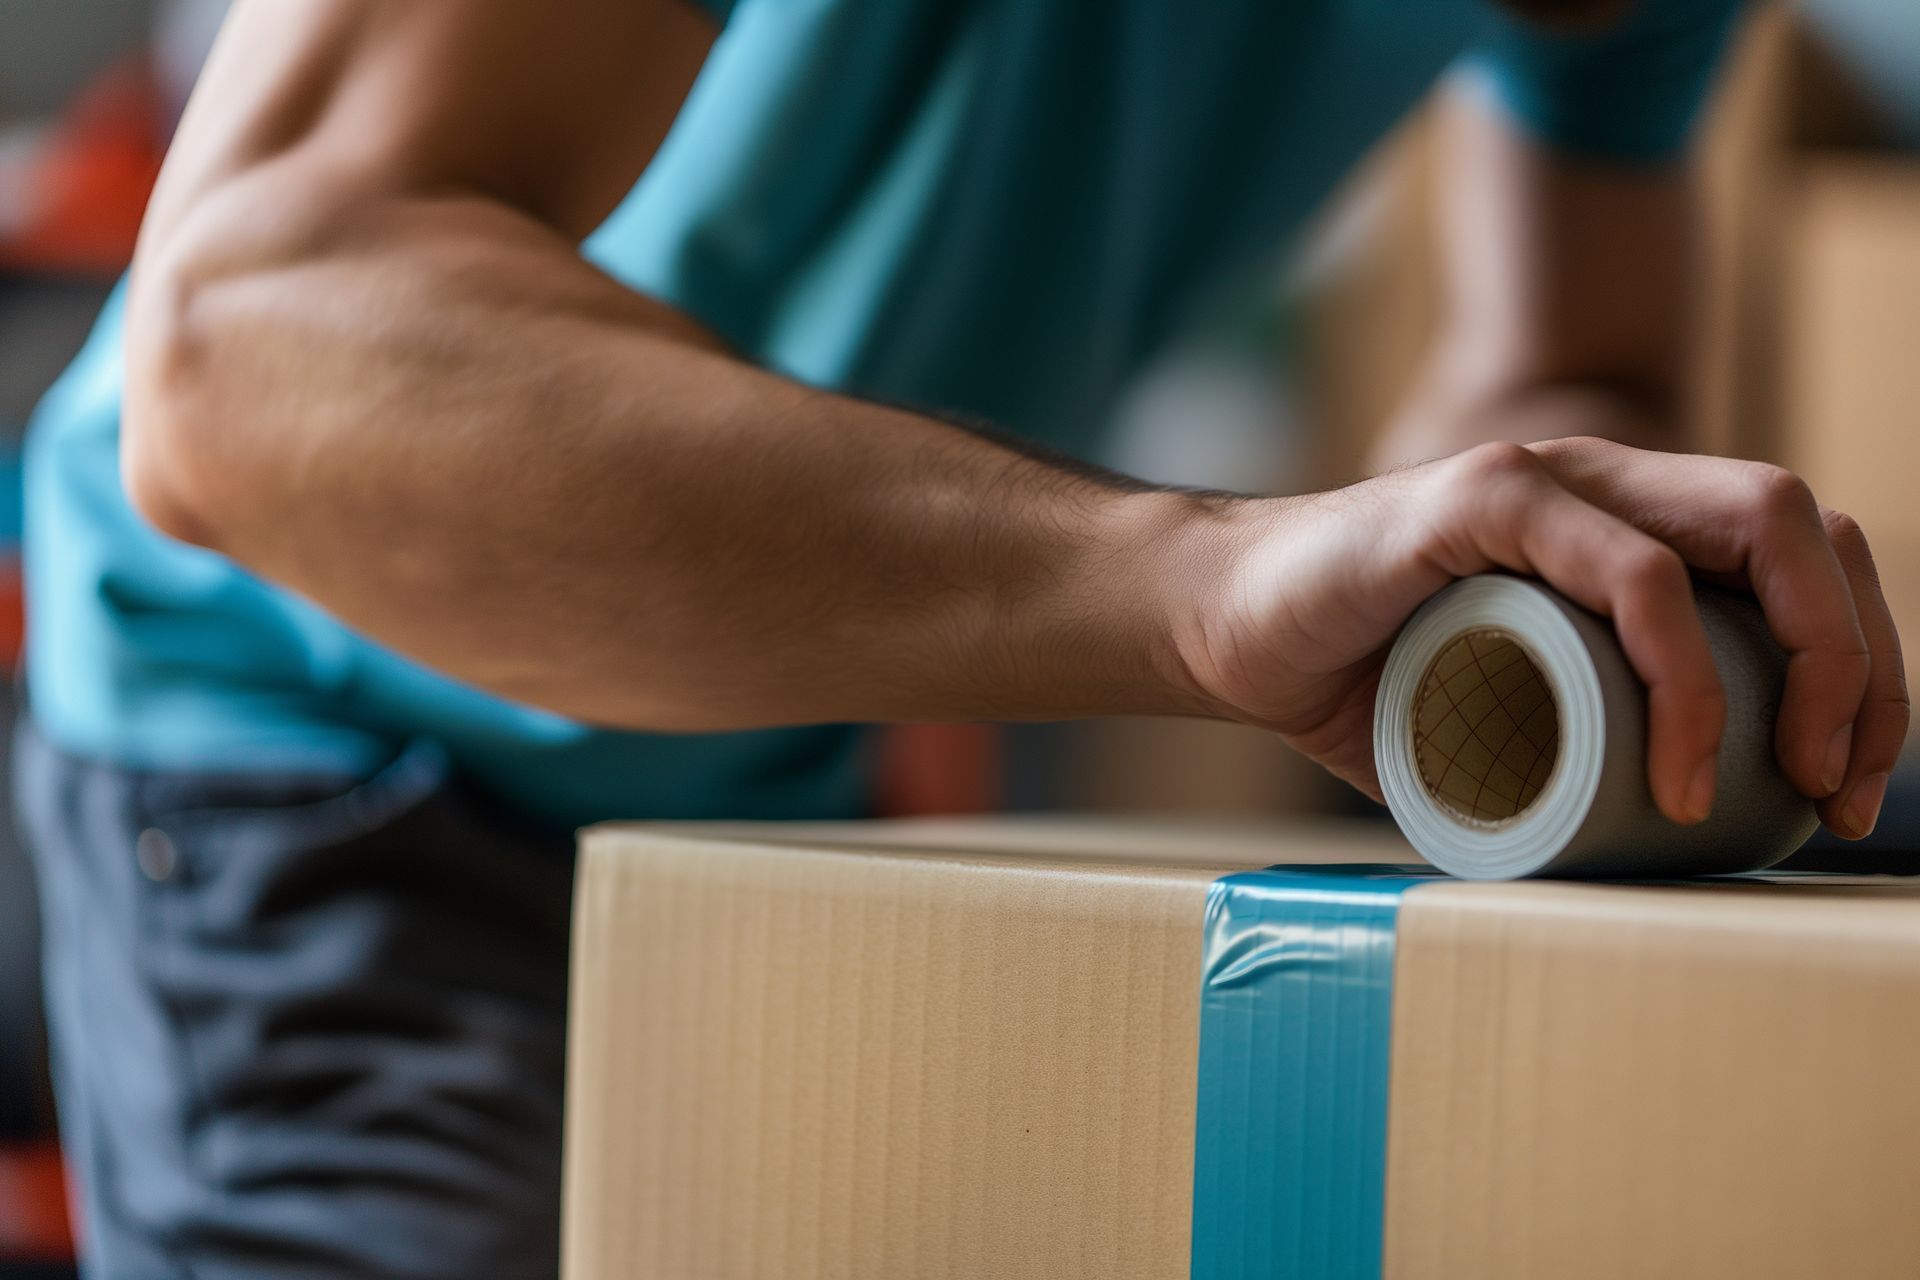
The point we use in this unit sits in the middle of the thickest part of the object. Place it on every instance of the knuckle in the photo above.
(1700, 701)
(1656, 570)
(1499, 461)
(1576, 446)
(1570, 455)
(1886, 715)
(1842, 527)
(1561, 447)
(1779, 493)
(1849, 540)
(1895, 695)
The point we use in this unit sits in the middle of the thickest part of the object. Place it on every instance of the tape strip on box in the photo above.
(1296, 1046)
(1296, 1012)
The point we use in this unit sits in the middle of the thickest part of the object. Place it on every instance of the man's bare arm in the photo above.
(366, 361)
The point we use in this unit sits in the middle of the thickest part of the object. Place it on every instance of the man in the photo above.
(410, 535)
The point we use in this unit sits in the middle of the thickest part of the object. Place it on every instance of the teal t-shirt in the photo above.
(996, 207)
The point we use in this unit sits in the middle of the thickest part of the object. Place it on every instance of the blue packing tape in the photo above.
(1296, 1021)
(1296, 1013)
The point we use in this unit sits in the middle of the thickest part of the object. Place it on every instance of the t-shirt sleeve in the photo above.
(1628, 91)
(718, 10)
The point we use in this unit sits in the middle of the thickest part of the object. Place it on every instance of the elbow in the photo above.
(216, 351)
(173, 414)
(163, 476)
(216, 343)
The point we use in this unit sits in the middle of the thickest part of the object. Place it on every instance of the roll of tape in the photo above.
(1511, 739)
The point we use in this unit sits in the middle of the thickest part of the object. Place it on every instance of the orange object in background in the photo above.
(928, 769)
(13, 619)
(35, 1225)
(86, 185)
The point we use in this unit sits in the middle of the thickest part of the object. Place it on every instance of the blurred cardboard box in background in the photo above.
(1850, 355)
(1809, 333)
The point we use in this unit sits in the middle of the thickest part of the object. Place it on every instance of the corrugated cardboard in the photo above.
(1607, 1081)
(968, 1050)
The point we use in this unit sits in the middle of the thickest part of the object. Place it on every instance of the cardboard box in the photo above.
(1851, 334)
(1027, 1049)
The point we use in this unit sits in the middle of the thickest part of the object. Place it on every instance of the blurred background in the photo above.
(1810, 356)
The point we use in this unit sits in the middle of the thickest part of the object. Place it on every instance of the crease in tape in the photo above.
(1290, 1128)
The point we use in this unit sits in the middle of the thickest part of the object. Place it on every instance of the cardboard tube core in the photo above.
(1486, 728)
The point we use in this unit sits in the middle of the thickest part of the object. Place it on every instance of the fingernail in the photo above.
(1863, 806)
(1700, 791)
(1834, 771)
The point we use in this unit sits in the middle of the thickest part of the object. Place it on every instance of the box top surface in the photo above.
(1186, 849)
(1220, 847)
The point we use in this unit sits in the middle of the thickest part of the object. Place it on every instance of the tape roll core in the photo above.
(1486, 727)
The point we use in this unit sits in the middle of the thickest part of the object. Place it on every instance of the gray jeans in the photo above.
(303, 1026)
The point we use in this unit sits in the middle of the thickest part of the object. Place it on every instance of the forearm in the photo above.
(444, 427)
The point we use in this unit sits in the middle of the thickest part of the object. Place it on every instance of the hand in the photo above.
(1309, 591)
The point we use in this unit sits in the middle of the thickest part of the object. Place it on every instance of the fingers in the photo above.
(1880, 727)
(1617, 529)
(1510, 511)
(1760, 523)
(1659, 628)
(1810, 609)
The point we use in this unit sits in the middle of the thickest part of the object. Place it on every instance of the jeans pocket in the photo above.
(209, 822)
(265, 902)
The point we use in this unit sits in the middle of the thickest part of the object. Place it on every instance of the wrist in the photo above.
(1183, 552)
(1081, 621)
